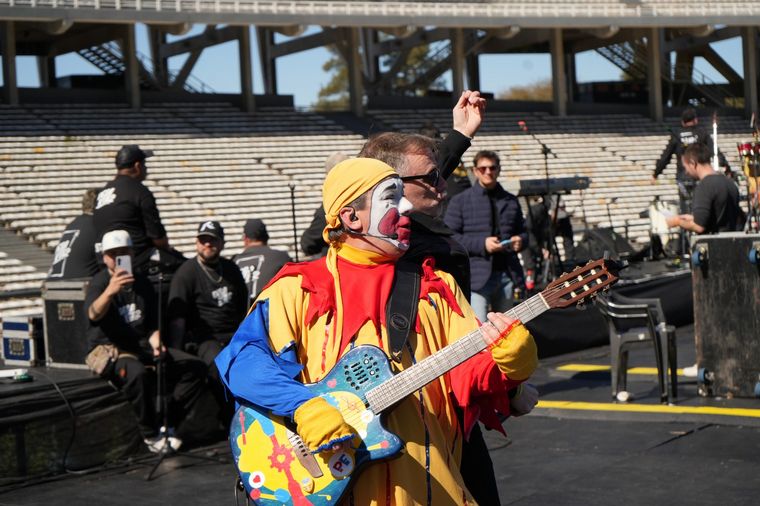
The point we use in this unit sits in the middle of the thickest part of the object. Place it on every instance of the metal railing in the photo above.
(540, 12)
(631, 58)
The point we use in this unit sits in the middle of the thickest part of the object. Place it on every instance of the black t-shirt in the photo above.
(131, 317)
(74, 256)
(677, 145)
(213, 300)
(259, 264)
(126, 204)
(716, 204)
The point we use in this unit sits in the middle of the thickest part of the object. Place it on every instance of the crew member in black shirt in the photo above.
(208, 299)
(689, 134)
(75, 257)
(258, 262)
(716, 197)
(126, 204)
(122, 310)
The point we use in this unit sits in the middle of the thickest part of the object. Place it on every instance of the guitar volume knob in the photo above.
(307, 485)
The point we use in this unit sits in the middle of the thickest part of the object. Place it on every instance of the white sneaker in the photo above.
(157, 443)
(691, 371)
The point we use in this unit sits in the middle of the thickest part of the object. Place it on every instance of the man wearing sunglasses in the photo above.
(424, 166)
(488, 221)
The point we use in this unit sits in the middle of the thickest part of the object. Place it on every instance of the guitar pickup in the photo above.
(304, 455)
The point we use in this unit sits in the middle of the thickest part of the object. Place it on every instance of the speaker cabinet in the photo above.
(726, 282)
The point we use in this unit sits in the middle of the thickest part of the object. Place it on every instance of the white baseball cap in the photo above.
(116, 239)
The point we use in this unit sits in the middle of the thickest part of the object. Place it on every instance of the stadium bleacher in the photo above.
(212, 160)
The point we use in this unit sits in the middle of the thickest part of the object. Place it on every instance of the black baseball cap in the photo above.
(129, 154)
(256, 230)
(211, 228)
(689, 114)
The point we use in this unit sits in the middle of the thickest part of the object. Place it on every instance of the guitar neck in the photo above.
(430, 368)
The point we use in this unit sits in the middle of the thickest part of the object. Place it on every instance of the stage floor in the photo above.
(576, 448)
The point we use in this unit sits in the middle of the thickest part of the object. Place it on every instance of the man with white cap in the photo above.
(313, 313)
(125, 341)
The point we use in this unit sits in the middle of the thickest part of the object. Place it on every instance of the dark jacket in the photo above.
(678, 144)
(431, 237)
(311, 239)
(469, 217)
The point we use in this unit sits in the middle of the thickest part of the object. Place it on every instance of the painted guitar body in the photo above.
(276, 468)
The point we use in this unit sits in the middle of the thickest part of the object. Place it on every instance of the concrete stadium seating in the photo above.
(215, 162)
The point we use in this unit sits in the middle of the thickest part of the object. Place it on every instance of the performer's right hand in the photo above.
(321, 425)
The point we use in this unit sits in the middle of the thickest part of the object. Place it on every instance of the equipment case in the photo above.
(726, 283)
(65, 323)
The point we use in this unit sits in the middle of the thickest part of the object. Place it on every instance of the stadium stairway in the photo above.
(19, 247)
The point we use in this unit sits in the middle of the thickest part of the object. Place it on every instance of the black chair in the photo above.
(632, 321)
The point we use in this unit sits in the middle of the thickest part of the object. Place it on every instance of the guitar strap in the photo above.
(401, 311)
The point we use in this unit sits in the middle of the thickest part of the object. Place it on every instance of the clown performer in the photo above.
(312, 313)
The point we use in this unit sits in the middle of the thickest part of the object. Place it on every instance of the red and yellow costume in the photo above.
(311, 313)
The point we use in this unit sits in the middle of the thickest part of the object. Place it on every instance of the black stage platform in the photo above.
(576, 448)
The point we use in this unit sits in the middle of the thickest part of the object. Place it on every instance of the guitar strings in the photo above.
(356, 416)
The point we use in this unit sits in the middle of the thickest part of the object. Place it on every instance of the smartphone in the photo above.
(124, 262)
(506, 242)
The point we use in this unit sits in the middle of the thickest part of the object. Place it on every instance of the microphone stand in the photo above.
(551, 224)
(609, 214)
(292, 187)
(162, 400)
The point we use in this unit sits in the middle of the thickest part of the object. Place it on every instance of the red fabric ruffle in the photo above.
(480, 389)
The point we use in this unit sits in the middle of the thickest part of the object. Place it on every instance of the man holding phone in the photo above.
(488, 221)
(125, 341)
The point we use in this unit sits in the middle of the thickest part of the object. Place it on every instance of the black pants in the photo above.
(207, 352)
(185, 384)
(477, 468)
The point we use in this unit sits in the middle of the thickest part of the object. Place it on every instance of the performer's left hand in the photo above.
(524, 399)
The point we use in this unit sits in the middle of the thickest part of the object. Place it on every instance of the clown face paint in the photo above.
(387, 209)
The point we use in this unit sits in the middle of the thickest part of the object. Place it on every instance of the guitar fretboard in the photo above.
(428, 369)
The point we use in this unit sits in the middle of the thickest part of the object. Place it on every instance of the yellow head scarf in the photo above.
(346, 182)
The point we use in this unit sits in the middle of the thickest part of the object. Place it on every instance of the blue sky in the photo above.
(301, 75)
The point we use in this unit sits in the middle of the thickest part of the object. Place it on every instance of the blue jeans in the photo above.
(496, 294)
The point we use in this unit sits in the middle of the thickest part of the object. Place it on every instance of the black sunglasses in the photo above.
(430, 178)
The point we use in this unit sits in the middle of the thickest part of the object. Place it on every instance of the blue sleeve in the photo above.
(253, 372)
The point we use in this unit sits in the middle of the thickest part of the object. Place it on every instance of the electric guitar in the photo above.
(277, 468)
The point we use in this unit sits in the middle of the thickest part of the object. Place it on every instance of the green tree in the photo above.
(333, 96)
(540, 91)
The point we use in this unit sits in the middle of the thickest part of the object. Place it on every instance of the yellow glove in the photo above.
(321, 425)
(515, 354)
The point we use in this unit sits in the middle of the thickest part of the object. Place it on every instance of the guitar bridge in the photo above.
(304, 455)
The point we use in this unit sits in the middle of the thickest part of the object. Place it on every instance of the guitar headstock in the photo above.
(583, 282)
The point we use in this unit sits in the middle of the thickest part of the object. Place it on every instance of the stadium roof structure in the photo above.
(472, 14)
(638, 36)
